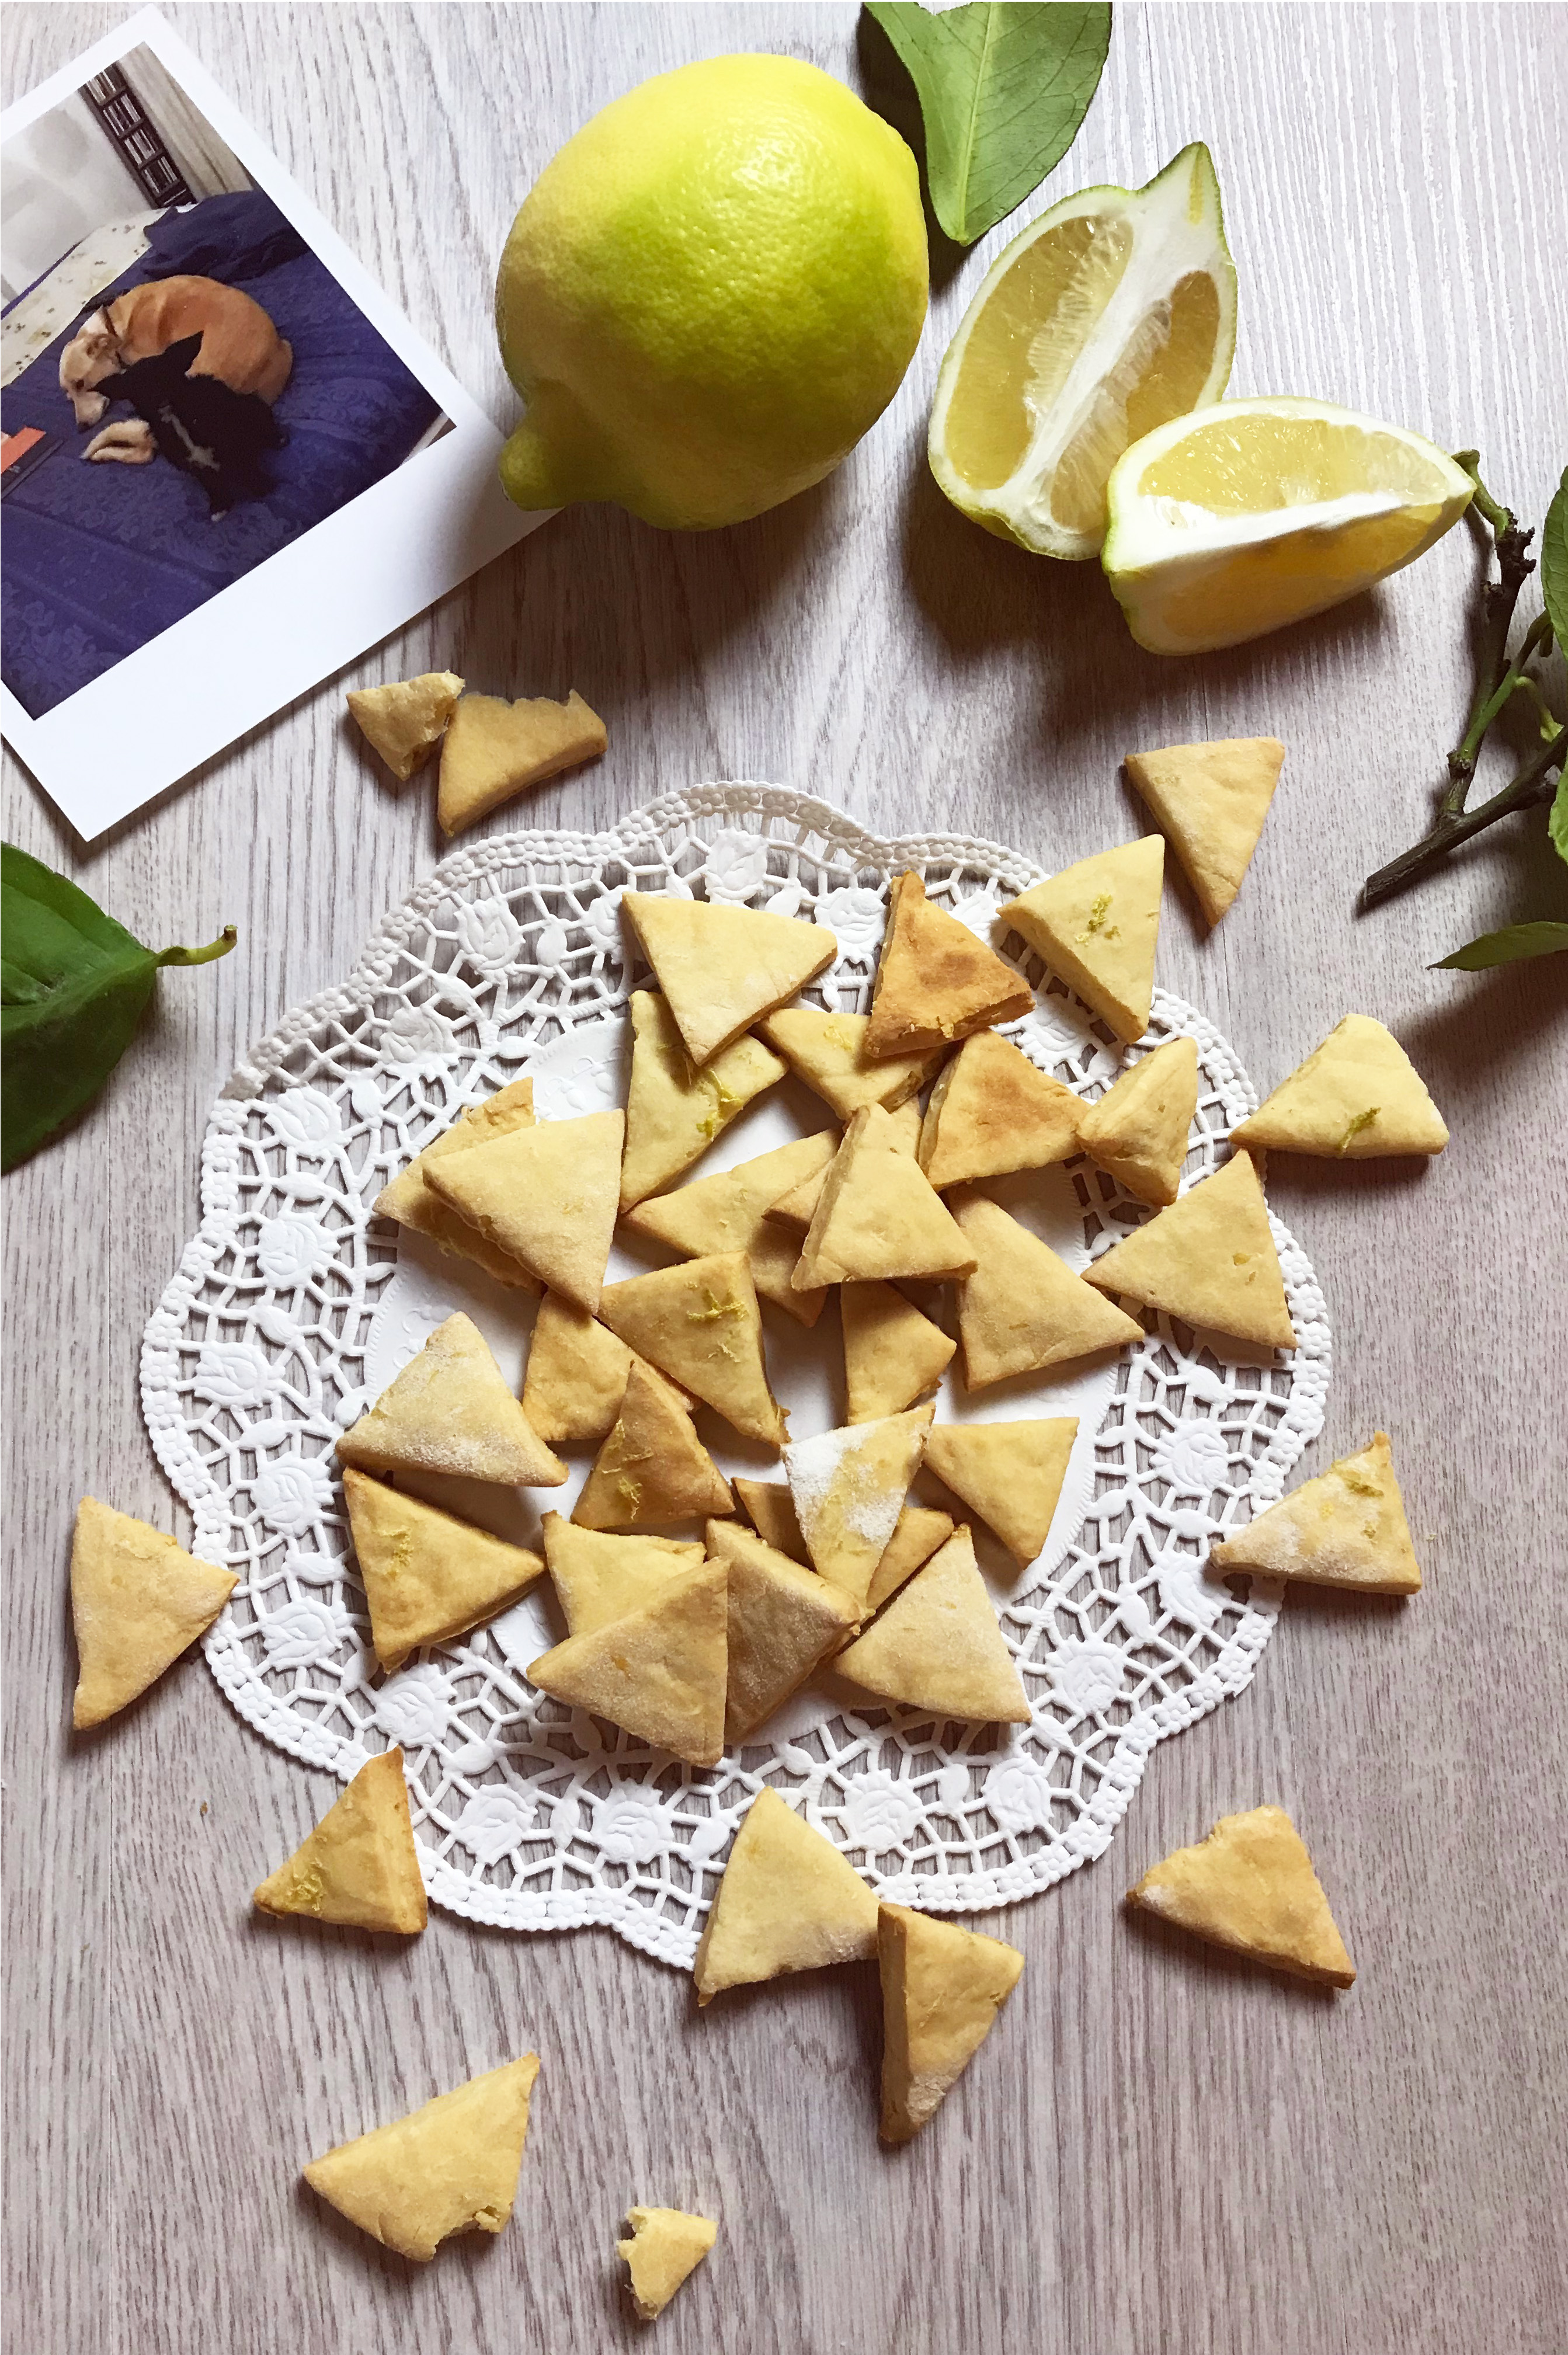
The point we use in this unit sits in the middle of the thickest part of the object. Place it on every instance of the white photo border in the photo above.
(317, 604)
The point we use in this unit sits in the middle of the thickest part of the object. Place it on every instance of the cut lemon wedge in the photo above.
(1260, 512)
(1113, 311)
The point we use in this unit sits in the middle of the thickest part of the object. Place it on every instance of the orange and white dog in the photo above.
(240, 344)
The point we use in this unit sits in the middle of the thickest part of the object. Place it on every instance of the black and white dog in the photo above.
(198, 423)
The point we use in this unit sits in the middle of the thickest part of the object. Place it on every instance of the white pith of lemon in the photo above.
(1256, 512)
(1113, 311)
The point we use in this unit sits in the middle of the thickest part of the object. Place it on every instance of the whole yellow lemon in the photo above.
(710, 294)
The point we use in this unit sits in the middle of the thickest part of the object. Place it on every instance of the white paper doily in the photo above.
(294, 1305)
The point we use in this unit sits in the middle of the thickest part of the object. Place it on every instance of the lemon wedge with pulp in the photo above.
(1260, 512)
(1113, 311)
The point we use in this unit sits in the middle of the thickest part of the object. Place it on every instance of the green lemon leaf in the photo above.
(1555, 563)
(1507, 947)
(1003, 86)
(1557, 823)
(73, 986)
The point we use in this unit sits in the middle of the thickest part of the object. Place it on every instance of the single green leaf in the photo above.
(1003, 86)
(1555, 563)
(73, 986)
(1557, 823)
(1507, 947)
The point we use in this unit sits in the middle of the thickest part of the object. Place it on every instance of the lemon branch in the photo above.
(1497, 680)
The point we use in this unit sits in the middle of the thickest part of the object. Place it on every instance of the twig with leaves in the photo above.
(1499, 679)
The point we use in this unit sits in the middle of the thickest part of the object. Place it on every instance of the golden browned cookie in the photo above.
(674, 1112)
(428, 1575)
(828, 1052)
(666, 2245)
(494, 749)
(991, 1113)
(1096, 925)
(138, 1601)
(1010, 1474)
(547, 1196)
(412, 1202)
(659, 1672)
(892, 1353)
(848, 1488)
(1139, 1128)
(1357, 1097)
(360, 1865)
(722, 968)
(788, 1902)
(451, 2167)
(1347, 1528)
(938, 1646)
(576, 1375)
(878, 1215)
(599, 1577)
(935, 982)
(1023, 1308)
(942, 1990)
(699, 1322)
(729, 1211)
(450, 1409)
(784, 1620)
(1212, 800)
(1250, 1886)
(1210, 1259)
(653, 1467)
(406, 719)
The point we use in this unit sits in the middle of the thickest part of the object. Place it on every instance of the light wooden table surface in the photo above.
(1157, 2152)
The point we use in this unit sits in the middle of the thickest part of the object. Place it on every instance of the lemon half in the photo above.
(1113, 311)
(1257, 513)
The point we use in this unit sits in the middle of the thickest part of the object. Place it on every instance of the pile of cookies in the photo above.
(833, 1575)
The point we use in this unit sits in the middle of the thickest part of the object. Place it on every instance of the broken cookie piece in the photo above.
(494, 749)
(406, 719)
(451, 2167)
(665, 2246)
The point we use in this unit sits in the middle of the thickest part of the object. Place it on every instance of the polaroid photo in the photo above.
(229, 465)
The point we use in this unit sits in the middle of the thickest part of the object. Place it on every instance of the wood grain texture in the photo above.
(1157, 2150)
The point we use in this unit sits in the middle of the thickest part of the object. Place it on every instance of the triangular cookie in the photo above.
(878, 1215)
(599, 1578)
(412, 1202)
(828, 1052)
(848, 1488)
(942, 1990)
(658, 1673)
(782, 1621)
(494, 749)
(788, 1902)
(449, 1410)
(673, 1113)
(699, 1322)
(406, 719)
(451, 2167)
(576, 1375)
(916, 1535)
(1210, 1259)
(1357, 1098)
(1096, 925)
(722, 968)
(361, 1864)
(653, 1467)
(729, 1212)
(1347, 1528)
(938, 1647)
(547, 1196)
(665, 2246)
(1010, 1474)
(1023, 1310)
(428, 1576)
(138, 1601)
(796, 1210)
(991, 1113)
(1210, 800)
(1250, 1886)
(773, 1515)
(1139, 1128)
(892, 1353)
(936, 980)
